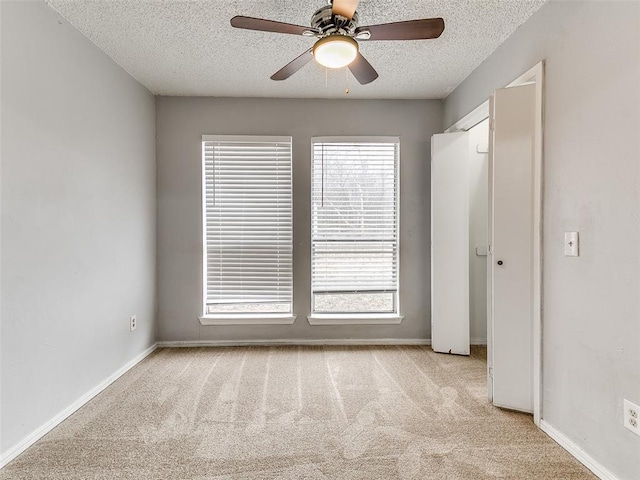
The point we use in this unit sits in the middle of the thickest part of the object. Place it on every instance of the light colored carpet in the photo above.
(297, 413)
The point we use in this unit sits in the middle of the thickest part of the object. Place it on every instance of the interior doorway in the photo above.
(521, 386)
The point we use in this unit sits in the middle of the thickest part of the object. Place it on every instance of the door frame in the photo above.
(533, 75)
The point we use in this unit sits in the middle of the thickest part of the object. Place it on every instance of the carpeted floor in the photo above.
(298, 413)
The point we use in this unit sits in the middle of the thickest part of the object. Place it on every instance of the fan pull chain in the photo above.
(346, 90)
(326, 75)
(322, 181)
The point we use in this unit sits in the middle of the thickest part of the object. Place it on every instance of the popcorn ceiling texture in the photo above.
(189, 48)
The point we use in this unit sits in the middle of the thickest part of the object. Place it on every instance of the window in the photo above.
(247, 227)
(354, 226)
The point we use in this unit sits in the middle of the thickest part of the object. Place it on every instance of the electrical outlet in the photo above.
(133, 320)
(632, 417)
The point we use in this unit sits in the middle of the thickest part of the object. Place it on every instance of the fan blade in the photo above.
(346, 8)
(362, 70)
(262, 25)
(293, 66)
(410, 30)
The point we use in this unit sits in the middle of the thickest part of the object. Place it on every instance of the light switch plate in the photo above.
(571, 244)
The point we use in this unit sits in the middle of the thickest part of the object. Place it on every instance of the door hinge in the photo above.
(491, 372)
(490, 250)
(492, 125)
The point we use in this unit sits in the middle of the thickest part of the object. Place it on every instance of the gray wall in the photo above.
(181, 121)
(78, 217)
(591, 326)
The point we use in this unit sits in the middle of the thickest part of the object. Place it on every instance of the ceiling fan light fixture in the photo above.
(335, 51)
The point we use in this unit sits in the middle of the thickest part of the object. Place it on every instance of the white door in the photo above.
(450, 243)
(511, 239)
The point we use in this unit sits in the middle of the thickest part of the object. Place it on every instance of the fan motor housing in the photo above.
(326, 22)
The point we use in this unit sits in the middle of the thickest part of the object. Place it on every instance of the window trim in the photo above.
(365, 318)
(213, 319)
(355, 319)
(247, 319)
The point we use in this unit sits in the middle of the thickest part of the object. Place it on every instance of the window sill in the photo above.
(355, 319)
(246, 319)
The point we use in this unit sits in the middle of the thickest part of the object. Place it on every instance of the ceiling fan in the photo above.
(337, 30)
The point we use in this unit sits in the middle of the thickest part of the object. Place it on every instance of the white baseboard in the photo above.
(580, 455)
(295, 341)
(40, 432)
(478, 341)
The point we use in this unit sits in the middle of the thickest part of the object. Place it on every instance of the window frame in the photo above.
(357, 318)
(244, 318)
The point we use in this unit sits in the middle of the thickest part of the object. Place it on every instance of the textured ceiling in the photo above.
(189, 48)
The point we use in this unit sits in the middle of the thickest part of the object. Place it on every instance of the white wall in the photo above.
(591, 324)
(181, 123)
(478, 233)
(78, 217)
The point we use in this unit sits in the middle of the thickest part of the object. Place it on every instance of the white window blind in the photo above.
(355, 226)
(247, 224)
